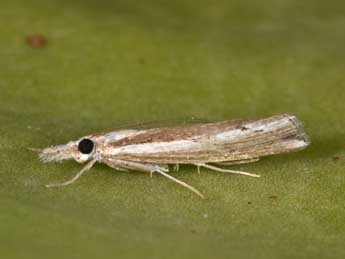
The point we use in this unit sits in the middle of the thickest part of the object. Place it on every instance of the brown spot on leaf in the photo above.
(336, 158)
(249, 202)
(273, 197)
(36, 40)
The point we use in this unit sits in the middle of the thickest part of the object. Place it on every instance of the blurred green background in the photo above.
(107, 63)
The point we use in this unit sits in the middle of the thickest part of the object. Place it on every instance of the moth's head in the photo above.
(81, 151)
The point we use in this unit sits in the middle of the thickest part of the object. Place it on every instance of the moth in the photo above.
(209, 145)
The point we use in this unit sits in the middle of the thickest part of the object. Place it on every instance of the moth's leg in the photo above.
(198, 166)
(176, 167)
(164, 167)
(181, 183)
(113, 165)
(226, 170)
(127, 165)
(120, 169)
(151, 168)
(238, 162)
(85, 168)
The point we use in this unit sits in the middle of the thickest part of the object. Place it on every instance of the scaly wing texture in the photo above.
(212, 142)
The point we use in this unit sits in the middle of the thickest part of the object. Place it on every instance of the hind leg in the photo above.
(238, 162)
(218, 169)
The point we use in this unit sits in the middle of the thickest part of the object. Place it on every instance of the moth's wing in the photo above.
(154, 124)
(215, 142)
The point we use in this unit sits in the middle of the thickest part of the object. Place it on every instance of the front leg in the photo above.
(76, 177)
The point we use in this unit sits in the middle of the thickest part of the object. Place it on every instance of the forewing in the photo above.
(213, 142)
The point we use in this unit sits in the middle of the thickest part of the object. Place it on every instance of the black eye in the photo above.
(85, 146)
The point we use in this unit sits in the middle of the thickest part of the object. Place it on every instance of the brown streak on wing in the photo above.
(183, 132)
